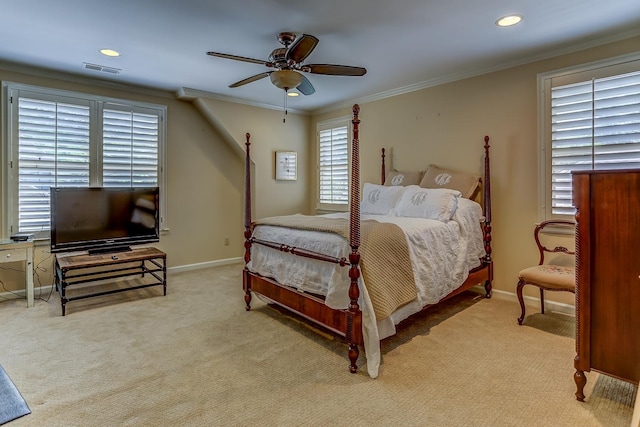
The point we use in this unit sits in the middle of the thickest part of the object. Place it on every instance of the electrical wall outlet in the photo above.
(226, 241)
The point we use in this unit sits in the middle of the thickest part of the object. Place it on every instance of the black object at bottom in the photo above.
(109, 250)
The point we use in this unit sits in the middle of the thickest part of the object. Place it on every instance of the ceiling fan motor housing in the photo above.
(279, 57)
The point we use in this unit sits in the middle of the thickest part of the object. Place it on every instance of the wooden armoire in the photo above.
(607, 274)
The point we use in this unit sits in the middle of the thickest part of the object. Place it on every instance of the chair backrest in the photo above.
(558, 224)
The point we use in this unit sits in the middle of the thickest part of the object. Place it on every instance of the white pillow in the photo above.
(431, 203)
(379, 199)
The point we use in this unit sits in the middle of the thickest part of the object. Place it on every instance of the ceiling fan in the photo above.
(288, 63)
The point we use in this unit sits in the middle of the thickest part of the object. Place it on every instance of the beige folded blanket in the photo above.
(384, 257)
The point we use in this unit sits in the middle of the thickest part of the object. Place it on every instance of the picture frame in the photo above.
(286, 166)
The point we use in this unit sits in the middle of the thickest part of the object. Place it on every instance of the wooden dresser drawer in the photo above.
(11, 255)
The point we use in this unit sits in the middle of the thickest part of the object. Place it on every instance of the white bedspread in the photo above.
(442, 255)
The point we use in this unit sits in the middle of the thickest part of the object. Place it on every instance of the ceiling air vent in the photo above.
(103, 68)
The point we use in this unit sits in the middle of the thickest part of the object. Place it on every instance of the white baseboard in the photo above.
(533, 302)
(207, 264)
(22, 294)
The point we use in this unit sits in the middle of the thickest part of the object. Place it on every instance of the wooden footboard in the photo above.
(311, 307)
(347, 322)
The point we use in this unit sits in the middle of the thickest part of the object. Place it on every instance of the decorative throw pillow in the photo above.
(378, 199)
(436, 177)
(430, 203)
(395, 178)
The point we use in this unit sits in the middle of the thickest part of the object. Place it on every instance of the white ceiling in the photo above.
(403, 44)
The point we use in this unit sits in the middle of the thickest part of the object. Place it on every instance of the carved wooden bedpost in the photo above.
(354, 317)
(246, 282)
(487, 217)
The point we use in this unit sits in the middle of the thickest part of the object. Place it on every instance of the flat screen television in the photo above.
(102, 220)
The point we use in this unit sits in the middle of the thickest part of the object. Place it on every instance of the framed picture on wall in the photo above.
(286, 166)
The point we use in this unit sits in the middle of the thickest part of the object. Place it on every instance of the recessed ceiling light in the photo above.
(109, 52)
(509, 20)
(293, 94)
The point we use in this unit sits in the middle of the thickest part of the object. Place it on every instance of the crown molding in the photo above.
(189, 94)
(480, 71)
(35, 71)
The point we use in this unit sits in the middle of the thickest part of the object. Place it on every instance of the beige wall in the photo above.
(205, 172)
(268, 135)
(445, 125)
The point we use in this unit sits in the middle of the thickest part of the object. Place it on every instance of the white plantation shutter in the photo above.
(53, 151)
(334, 166)
(129, 149)
(594, 124)
(68, 139)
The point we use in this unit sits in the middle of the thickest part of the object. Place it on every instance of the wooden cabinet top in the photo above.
(83, 259)
(605, 171)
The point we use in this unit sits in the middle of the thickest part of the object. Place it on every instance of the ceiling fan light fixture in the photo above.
(508, 20)
(286, 79)
(292, 93)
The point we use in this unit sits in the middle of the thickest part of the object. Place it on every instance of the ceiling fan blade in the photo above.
(240, 58)
(334, 70)
(301, 48)
(306, 88)
(251, 79)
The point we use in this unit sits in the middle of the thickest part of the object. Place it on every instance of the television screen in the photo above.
(103, 219)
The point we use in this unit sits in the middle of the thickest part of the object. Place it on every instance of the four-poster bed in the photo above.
(357, 275)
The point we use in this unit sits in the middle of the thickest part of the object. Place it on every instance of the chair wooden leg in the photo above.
(519, 287)
(542, 300)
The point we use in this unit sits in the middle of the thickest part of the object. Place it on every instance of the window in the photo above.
(333, 165)
(590, 120)
(66, 139)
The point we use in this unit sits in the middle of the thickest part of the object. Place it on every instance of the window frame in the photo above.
(11, 92)
(597, 69)
(322, 126)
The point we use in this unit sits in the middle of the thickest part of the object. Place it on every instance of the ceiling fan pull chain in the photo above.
(284, 119)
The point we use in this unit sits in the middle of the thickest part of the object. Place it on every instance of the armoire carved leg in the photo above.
(519, 287)
(581, 381)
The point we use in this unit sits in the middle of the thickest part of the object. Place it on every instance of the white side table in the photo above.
(11, 251)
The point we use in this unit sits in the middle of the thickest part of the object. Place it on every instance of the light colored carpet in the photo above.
(196, 358)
